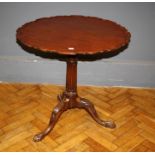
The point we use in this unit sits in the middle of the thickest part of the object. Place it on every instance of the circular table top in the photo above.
(72, 35)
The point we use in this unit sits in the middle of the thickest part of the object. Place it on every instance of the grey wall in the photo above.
(133, 67)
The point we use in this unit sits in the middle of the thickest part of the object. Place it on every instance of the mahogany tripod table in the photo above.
(71, 36)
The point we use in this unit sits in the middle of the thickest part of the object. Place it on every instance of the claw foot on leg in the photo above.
(89, 107)
(109, 124)
(38, 137)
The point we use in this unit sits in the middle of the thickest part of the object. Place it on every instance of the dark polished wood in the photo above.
(69, 99)
(70, 36)
(73, 35)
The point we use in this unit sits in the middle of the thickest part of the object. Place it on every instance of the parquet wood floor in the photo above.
(25, 110)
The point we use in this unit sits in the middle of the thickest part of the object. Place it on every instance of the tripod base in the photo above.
(69, 100)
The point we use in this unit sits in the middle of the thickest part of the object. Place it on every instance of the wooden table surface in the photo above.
(72, 35)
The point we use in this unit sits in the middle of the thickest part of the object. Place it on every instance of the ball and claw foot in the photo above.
(109, 124)
(38, 137)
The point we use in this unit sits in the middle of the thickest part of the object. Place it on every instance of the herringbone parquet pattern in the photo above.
(25, 110)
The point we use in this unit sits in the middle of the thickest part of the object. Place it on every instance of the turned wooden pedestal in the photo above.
(69, 99)
(71, 36)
